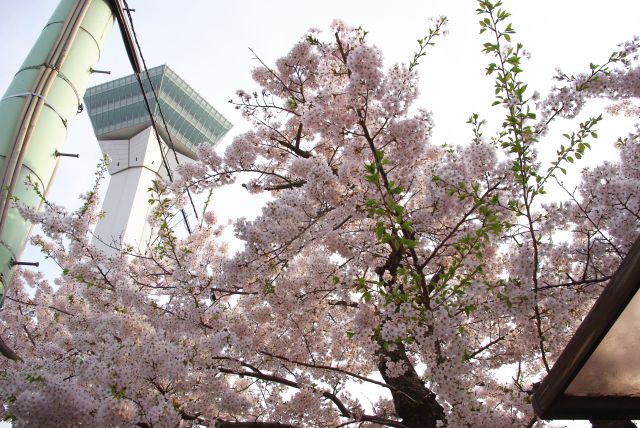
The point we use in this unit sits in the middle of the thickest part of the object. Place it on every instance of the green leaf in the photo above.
(312, 40)
(31, 378)
(468, 309)
(117, 393)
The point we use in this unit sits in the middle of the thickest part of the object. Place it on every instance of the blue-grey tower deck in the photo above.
(117, 111)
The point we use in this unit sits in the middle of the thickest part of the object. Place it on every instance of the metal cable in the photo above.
(155, 95)
(126, 36)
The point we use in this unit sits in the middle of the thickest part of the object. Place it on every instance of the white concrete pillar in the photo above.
(135, 164)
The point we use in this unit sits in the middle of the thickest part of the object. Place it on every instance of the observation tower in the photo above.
(126, 133)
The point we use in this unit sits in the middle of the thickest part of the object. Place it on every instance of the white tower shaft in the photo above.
(135, 164)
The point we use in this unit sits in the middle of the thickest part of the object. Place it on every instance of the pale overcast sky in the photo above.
(206, 43)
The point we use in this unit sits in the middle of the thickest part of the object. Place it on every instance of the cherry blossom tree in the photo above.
(389, 281)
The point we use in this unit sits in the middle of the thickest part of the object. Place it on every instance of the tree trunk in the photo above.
(413, 401)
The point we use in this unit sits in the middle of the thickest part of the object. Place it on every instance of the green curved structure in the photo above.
(36, 110)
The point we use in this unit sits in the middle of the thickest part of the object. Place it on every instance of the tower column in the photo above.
(135, 164)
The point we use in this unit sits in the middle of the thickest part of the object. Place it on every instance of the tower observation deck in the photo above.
(118, 112)
(124, 130)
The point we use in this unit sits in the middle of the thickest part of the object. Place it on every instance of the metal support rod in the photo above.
(16, 263)
(93, 70)
(69, 155)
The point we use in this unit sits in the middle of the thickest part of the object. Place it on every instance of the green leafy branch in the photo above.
(477, 124)
(517, 135)
(595, 70)
(163, 215)
(392, 227)
(576, 148)
(426, 41)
